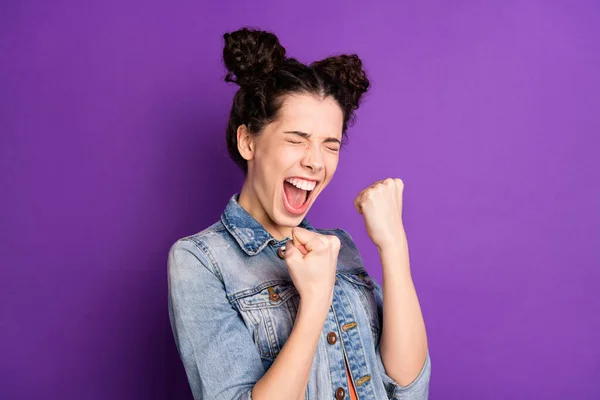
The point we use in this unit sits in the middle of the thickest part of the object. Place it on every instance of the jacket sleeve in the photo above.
(218, 353)
(417, 389)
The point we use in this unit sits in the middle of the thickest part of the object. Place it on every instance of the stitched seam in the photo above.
(208, 254)
(263, 286)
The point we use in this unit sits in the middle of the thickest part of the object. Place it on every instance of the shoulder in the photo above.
(212, 233)
(199, 245)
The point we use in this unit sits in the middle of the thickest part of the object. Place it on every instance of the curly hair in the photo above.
(257, 62)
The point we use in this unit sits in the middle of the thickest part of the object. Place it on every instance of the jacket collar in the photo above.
(250, 235)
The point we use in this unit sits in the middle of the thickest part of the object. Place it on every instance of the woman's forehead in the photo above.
(308, 113)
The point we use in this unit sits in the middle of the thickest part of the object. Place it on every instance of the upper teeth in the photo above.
(302, 184)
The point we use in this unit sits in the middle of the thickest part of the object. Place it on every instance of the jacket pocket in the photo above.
(271, 310)
(364, 286)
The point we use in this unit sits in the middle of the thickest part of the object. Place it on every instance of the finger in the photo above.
(301, 235)
(399, 192)
(357, 204)
(291, 252)
(399, 185)
(366, 189)
(316, 244)
(374, 185)
(298, 245)
(335, 242)
(364, 197)
(358, 201)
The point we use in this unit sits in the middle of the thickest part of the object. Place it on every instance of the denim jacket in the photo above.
(232, 306)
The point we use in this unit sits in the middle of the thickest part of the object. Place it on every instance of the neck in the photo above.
(249, 202)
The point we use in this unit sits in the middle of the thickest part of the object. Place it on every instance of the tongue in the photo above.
(296, 197)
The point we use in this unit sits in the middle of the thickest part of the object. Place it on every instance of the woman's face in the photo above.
(292, 161)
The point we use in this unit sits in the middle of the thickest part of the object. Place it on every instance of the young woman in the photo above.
(262, 304)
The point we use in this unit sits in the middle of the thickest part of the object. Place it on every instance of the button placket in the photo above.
(349, 333)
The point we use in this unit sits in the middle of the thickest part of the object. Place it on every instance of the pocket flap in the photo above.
(269, 294)
(358, 277)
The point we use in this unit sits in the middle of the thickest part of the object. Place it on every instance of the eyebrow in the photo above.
(307, 135)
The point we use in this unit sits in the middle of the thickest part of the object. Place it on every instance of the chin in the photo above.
(282, 218)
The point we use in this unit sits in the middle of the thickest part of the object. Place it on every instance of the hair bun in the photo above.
(347, 72)
(250, 54)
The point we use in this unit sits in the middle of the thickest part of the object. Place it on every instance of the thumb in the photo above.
(302, 236)
(291, 252)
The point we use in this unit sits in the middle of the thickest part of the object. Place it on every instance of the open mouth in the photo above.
(297, 193)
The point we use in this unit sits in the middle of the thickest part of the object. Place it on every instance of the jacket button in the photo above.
(281, 252)
(331, 337)
(340, 393)
(272, 295)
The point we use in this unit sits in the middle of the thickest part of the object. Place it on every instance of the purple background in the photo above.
(112, 118)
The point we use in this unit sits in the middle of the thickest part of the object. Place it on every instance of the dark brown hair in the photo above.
(257, 62)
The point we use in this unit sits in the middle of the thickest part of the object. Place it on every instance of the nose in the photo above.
(313, 159)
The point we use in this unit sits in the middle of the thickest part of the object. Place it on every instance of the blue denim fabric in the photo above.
(232, 306)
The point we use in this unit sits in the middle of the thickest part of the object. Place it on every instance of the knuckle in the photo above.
(319, 243)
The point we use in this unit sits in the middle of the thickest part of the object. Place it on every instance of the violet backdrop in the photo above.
(112, 118)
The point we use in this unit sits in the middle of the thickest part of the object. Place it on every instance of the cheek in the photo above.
(332, 161)
(291, 156)
(270, 157)
(331, 166)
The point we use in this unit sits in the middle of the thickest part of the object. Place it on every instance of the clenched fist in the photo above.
(381, 207)
(312, 261)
